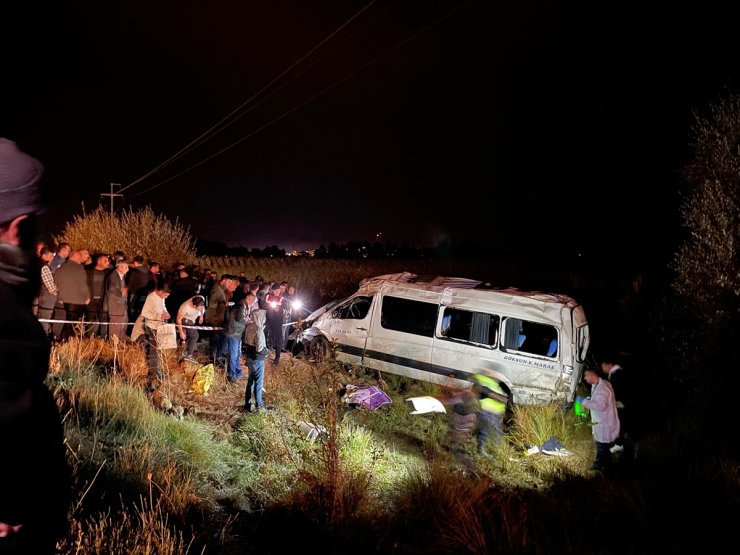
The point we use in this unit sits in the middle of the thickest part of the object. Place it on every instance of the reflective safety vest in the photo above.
(489, 385)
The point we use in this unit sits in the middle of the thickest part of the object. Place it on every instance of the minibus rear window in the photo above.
(530, 337)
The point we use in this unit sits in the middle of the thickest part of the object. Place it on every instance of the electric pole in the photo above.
(111, 195)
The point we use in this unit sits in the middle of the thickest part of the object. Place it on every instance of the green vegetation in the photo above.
(148, 481)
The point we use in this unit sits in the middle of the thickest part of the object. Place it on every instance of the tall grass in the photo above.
(141, 528)
(131, 460)
(380, 481)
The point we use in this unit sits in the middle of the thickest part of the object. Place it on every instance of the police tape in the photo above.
(91, 323)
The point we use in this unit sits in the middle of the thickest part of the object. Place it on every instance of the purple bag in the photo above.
(367, 396)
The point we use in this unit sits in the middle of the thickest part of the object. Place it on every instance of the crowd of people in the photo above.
(110, 296)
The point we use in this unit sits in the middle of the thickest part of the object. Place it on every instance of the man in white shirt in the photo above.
(190, 313)
(153, 315)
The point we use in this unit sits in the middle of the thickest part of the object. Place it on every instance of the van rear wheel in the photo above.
(319, 349)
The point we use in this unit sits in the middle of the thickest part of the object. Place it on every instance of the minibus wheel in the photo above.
(320, 349)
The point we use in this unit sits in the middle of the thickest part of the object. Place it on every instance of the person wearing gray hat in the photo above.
(36, 479)
(19, 178)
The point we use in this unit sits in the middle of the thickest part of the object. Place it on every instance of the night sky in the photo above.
(535, 129)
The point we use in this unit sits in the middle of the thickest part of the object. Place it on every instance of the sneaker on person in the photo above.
(616, 448)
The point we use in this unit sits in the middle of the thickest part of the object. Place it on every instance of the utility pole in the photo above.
(111, 195)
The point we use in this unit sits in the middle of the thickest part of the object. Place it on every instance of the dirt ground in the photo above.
(223, 403)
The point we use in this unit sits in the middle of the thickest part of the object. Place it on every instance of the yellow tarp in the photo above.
(203, 379)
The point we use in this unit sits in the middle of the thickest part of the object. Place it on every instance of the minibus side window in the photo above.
(355, 309)
(582, 339)
(466, 325)
(408, 316)
(530, 337)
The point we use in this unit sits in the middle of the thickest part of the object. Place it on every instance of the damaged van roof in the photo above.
(440, 284)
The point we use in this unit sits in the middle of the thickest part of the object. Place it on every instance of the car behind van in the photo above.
(443, 329)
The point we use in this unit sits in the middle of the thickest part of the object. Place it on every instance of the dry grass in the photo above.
(376, 481)
(135, 232)
(121, 445)
(141, 529)
(94, 354)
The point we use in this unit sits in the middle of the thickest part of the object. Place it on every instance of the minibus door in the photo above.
(349, 328)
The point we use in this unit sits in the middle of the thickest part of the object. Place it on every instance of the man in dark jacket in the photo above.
(74, 291)
(137, 280)
(184, 287)
(236, 320)
(35, 491)
(275, 305)
(218, 300)
(95, 310)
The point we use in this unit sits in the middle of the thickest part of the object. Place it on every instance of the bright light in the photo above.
(273, 304)
(297, 304)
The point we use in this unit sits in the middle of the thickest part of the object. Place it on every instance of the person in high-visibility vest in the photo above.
(493, 400)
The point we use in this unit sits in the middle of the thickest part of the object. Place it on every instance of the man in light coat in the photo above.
(148, 325)
(604, 419)
(115, 300)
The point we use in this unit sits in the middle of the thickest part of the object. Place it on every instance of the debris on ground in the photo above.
(203, 379)
(311, 432)
(369, 397)
(426, 404)
(553, 447)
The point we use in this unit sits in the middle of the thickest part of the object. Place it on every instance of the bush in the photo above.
(135, 232)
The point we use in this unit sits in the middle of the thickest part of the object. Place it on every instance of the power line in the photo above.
(213, 130)
(311, 99)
